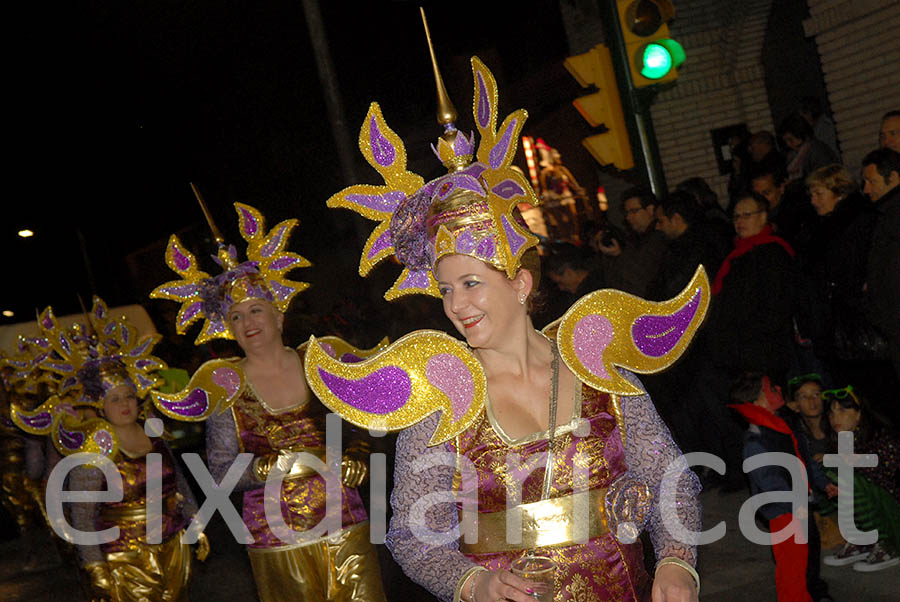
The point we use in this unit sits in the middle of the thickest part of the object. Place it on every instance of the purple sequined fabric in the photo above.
(408, 228)
(438, 565)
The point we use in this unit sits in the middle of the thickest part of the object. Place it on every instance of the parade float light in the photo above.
(602, 108)
(653, 57)
(8, 313)
(528, 148)
(25, 233)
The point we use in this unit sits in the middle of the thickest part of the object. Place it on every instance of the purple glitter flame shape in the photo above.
(248, 224)
(38, 421)
(463, 146)
(415, 279)
(514, 239)
(385, 390)
(104, 441)
(452, 377)
(228, 379)
(195, 403)
(381, 243)
(180, 259)
(386, 202)
(590, 337)
(498, 153)
(657, 335)
(140, 349)
(190, 312)
(486, 248)
(382, 150)
(282, 263)
(70, 440)
(270, 247)
(350, 358)
(484, 106)
(508, 189)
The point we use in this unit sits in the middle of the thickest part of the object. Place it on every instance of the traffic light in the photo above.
(653, 56)
(603, 107)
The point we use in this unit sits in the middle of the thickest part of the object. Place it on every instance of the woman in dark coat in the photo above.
(754, 296)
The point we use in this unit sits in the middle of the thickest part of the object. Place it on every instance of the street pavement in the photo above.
(731, 569)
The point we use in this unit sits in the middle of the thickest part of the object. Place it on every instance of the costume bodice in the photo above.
(599, 452)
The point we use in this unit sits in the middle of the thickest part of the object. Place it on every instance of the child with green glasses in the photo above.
(876, 489)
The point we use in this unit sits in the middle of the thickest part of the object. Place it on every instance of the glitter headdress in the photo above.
(89, 363)
(262, 276)
(469, 211)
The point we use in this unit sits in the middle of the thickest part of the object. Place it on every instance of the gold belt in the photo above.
(302, 471)
(544, 523)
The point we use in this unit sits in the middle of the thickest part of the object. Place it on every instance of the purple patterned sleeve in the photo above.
(189, 502)
(83, 515)
(435, 565)
(649, 452)
(222, 448)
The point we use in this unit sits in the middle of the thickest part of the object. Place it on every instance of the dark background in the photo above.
(114, 107)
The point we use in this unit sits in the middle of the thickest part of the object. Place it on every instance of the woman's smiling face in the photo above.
(481, 302)
(255, 323)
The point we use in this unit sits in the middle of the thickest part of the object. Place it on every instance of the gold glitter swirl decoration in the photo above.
(217, 384)
(421, 373)
(609, 328)
(262, 276)
(23, 372)
(479, 199)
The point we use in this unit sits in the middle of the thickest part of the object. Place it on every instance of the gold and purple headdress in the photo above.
(262, 276)
(469, 211)
(89, 362)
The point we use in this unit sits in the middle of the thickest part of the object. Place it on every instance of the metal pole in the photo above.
(637, 102)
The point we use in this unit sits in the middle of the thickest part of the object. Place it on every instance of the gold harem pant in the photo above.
(345, 570)
(151, 573)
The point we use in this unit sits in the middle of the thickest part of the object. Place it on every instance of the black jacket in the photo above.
(883, 273)
(751, 319)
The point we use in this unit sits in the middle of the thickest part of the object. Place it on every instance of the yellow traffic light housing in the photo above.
(653, 57)
(604, 107)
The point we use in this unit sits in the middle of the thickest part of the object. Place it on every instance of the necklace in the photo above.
(554, 397)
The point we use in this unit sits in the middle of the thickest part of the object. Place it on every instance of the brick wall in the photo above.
(859, 46)
(721, 84)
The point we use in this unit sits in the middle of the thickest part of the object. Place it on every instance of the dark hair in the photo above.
(870, 421)
(697, 187)
(759, 200)
(812, 105)
(684, 204)
(797, 126)
(779, 176)
(563, 255)
(746, 387)
(890, 114)
(885, 161)
(644, 195)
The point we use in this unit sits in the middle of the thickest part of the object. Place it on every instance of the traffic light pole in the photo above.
(637, 102)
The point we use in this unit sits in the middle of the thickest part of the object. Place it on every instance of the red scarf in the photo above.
(745, 245)
(760, 416)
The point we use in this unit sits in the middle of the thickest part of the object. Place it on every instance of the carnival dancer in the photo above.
(531, 424)
(111, 370)
(261, 405)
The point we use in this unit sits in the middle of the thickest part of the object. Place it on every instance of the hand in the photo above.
(612, 250)
(831, 490)
(285, 461)
(501, 585)
(353, 472)
(202, 547)
(674, 584)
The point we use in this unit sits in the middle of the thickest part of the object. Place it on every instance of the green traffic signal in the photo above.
(658, 58)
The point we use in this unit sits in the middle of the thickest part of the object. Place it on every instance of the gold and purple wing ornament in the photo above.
(212, 389)
(38, 421)
(421, 373)
(95, 435)
(343, 351)
(609, 328)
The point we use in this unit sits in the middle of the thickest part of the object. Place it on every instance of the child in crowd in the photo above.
(796, 560)
(876, 489)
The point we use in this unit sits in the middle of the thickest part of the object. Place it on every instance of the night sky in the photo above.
(114, 107)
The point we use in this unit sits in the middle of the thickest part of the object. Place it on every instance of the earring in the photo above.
(522, 299)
